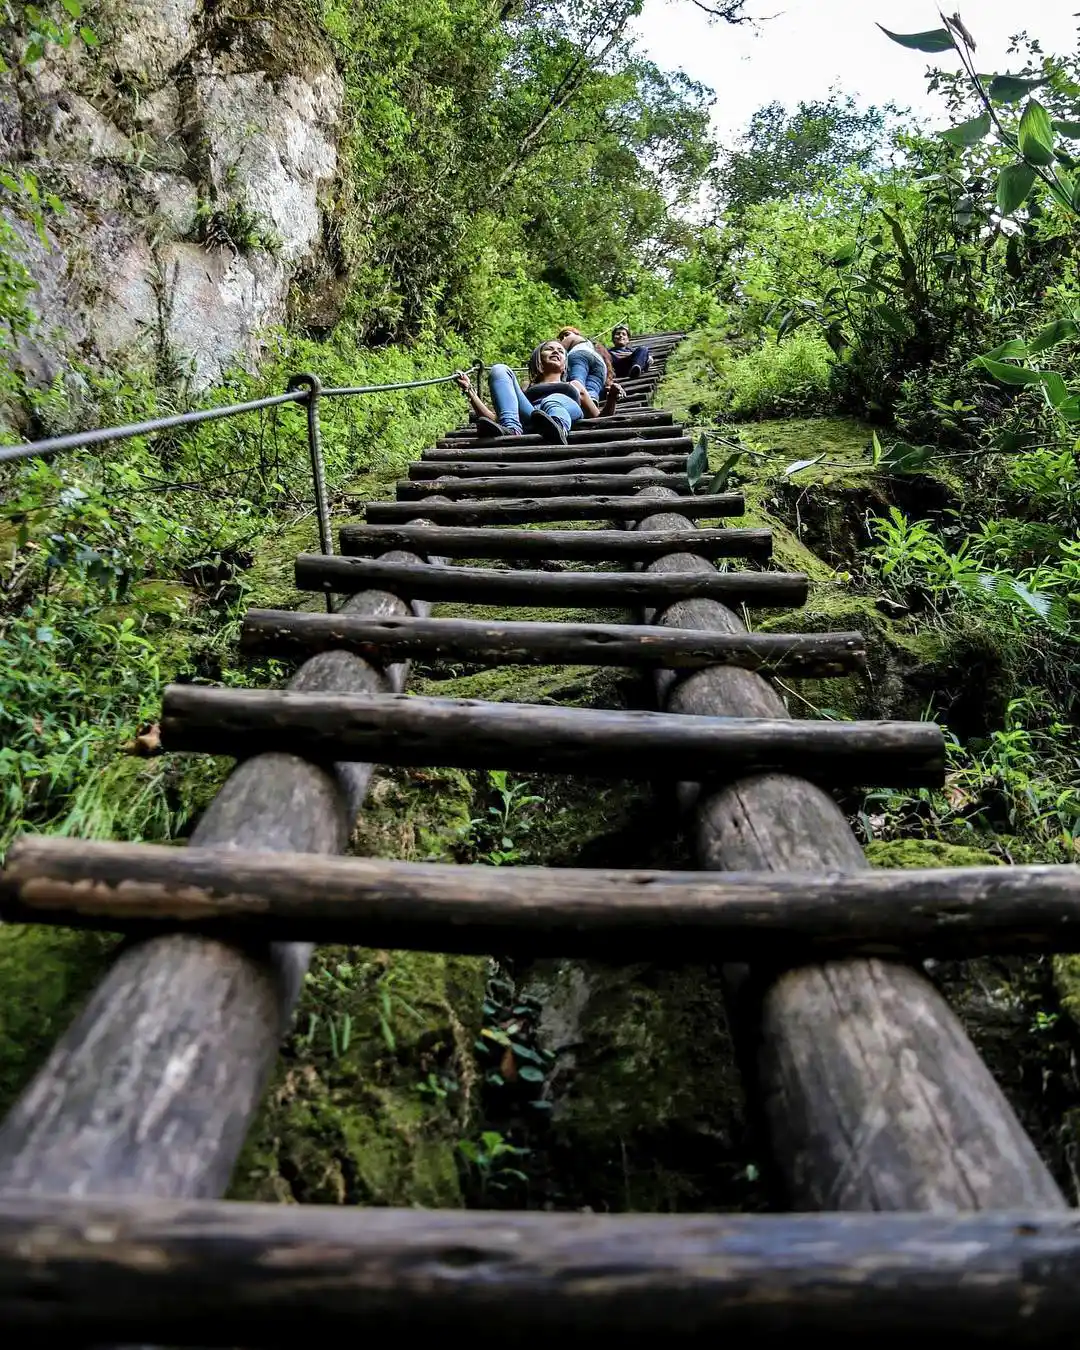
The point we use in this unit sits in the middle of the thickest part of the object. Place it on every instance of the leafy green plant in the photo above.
(495, 836)
(490, 1158)
(1038, 141)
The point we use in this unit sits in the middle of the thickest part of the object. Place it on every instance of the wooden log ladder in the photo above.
(922, 1205)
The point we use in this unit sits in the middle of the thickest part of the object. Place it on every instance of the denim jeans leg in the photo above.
(565, 410)
(589, 368)
(511, 406)
(640, 357)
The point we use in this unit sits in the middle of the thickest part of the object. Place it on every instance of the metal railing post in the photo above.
(313, 384)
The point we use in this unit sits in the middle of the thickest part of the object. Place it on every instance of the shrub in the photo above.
(789, 377)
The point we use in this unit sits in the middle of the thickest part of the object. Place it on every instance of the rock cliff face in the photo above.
(195, 151)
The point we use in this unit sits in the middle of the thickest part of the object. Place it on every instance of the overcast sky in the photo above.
(813, 44)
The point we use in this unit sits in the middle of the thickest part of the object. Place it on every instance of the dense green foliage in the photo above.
(940, 280)
(505, 170)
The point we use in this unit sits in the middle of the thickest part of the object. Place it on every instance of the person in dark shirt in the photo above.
(550, 404)
(629, 362)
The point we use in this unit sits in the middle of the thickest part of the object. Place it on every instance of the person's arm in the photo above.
(475, 402)
(588, 406)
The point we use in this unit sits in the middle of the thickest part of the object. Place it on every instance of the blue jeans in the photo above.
(588, 367)
(622, 361)
(513, 409)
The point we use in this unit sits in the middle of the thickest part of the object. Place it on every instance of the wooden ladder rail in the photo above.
(873, 1094)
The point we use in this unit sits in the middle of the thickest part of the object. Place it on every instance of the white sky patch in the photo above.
(812, 45)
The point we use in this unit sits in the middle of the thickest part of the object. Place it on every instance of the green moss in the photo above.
(352, 1117)
(926, 853)
(579, 686)
(649, 1113)
(45, 975)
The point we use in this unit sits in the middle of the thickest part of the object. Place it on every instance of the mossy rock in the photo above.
(648, 1107)
(375, 1086)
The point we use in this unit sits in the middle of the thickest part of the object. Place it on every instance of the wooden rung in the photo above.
(526, 511)
(600, 436)
(483, 586)
(655, 417)
(275, 632)
(586, 545)
(778, 917)
(451, 468)
(140, 1270)
(533, 738)
(540, 485)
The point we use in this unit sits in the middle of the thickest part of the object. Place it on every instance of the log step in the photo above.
(599, 436)
(779, 917)
(140, 1270)
(533, 738)
(578, 484)
(485, 586)
(526, 511)
(439, 468)
(646, 417)
(297, 635)
(585, 545)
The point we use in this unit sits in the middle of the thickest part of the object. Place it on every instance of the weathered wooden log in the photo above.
(87, 1272)
(538, 485)
(274, 632)
(466, 733)
(581, 545)
(152, 1087)
(439, 468)
(872, 1095)
(649, 417)
(949, 913)
(527, 511)
(580, 442)
(483, 586)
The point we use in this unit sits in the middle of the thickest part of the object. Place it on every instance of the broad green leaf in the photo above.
(697, 464)
(968, 133)
(1011, 88)
(844, 254)
(903, 457)
(892, 318)
(1011, 441)
(1058, 331)
(1015, 349)
(1013, 186)
(1014, 258)
(1070, 130)
(802, 464)
(722, 476)
(1036, 601)
(1036, 134)
(1054, 388)
(531, 1075)
(1010, 374)
(89, 37)
(1069, 408)
(934, 40)
(1063, 188)
(73, 7)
